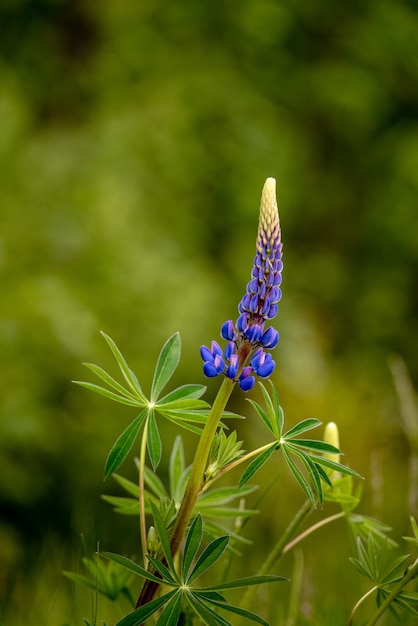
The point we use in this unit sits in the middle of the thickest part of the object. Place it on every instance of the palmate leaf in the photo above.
(109, 394)
(244, 582)
(185, 392)
(167, 362)
(192, 545)
(127, 373)
(123, 444)
(263, 416)
(154, 444)
(107, 378)
(298, 475)
(206, 613)
(209, 556)
(176, 465)
(302, 427)
(204, 600)
(257, 463)
(164, 539)
(139, 616)
(171, 612)
(130, 565)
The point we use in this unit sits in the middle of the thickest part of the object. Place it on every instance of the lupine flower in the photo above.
(247, 339)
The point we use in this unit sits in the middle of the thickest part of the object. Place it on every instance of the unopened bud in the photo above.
(153, 542)
(332, 437)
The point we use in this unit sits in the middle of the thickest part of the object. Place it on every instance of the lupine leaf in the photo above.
(278, 411)
(209, 556)
(334, 466)
(313, 473)
(270, 411)
(176, 465)
(181, 485)
(164, 571)
(262, 414)
(124, 506)
(153, 441)
(395, 570)
(139, 616)
(192, 544)
(208, 615)
(171, 612)
(223, 495)
(127, 485)
(184, 392)
(127, 373)
(182, 404)
(163, 536)
(298, 475)
(183, 421)
(244, 582)
(130, 565)
(167, 362)
(107, 378)
(123, 444)
(226, 511)
(302, 427)
(314, 444)
(108, 394)
(256, 464)
(238, 611)
(154, 483)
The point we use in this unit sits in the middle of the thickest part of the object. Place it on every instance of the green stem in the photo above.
(311, 530)
(411, 573)
(362, 599)
(194, 484)
(142, 521)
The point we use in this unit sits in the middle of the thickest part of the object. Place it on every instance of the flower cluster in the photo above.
(247, 339)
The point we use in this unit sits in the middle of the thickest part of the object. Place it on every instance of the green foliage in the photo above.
(181, 406)
(389, 576)
(213, 503)
(304, 450)
(107, 578)
(204, 601)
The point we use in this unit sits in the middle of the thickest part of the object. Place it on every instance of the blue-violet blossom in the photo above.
(247, 339)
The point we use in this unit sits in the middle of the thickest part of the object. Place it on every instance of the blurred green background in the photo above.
(135, 138)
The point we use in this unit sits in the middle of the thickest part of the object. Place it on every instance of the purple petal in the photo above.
(209, 370)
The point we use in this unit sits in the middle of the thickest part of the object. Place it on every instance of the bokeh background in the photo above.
(135, 138)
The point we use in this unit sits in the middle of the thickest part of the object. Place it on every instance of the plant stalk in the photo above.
(194, 484)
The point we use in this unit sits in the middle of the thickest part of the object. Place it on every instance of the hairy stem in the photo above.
(194, 484)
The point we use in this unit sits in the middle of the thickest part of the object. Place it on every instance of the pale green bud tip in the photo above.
(269, 224)
(153, 542)
(331, 435)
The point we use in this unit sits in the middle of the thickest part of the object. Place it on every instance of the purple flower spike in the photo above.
(248, 337)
